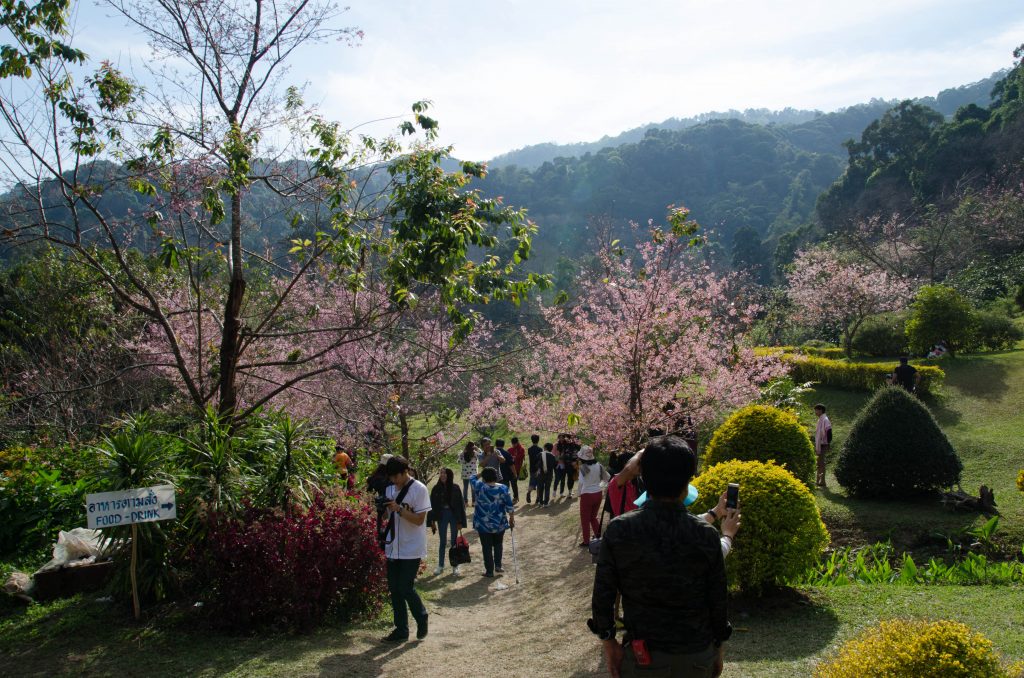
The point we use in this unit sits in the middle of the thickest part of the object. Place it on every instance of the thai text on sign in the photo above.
(141, 505)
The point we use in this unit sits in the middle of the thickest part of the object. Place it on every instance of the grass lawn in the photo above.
(981, 409)
(785, 637)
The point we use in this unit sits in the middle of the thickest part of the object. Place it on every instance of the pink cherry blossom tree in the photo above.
(378, 223)
(828, 289)
(654, 339)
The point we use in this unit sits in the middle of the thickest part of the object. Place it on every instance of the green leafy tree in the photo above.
(939, 313)
(383, 215)
(750, 254)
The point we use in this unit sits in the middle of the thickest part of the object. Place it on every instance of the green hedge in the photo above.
(782, 534)
(856, 376)
(819, 351)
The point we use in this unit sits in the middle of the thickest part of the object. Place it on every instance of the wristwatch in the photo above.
(712, 512)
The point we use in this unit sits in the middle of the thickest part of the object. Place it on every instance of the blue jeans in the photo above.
(446, 522)
(492, 544)
(466, 486)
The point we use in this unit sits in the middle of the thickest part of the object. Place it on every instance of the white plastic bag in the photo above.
(73, 545)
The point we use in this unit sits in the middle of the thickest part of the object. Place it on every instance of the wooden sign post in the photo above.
(131, 507)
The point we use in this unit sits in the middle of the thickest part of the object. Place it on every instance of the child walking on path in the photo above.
(468, 462)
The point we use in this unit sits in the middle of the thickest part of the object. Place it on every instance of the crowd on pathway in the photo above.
(643, 493)
(662, 566)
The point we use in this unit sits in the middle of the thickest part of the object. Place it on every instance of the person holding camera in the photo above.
(669, 567)
(492, 515)
(405, 545)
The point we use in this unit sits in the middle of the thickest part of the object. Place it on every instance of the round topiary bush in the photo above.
(781, 533)
(903, 648)
(883, 335)
(763, 433)
(896, 449)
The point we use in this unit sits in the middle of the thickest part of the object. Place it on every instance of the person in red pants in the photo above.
(592, 475)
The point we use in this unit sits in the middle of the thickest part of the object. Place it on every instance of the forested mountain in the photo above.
(747, 182)
(912, 159)
(742, 181)
(946, 102)
(728, 173)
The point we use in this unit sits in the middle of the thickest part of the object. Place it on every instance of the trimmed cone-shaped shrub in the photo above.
(896, 449)
(781, 534)
(903, 648)
(763, 433)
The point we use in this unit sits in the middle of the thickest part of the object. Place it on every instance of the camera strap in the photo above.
(388, 535)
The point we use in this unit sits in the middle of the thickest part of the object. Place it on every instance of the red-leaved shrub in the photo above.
(271, 569)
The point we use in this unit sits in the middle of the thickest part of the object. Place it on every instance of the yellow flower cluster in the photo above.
(1020, 480)
(782, 534)
(904, 648)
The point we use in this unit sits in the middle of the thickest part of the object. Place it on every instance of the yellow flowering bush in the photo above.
(905, 648)
(763, 433)
(781, 534)
(1020, 481)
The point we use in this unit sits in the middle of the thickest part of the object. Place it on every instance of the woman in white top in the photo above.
(592, 474)
(468, 461)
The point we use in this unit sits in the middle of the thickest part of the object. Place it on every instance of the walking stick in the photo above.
(515, 560)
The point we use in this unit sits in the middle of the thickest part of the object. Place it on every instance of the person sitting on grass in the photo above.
(492, 515)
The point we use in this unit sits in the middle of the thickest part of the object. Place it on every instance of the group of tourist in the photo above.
(551, 467)
(646, 492)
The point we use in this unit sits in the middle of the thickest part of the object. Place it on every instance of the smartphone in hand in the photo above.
(732, 496)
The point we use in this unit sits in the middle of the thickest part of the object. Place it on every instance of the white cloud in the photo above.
(507, 73)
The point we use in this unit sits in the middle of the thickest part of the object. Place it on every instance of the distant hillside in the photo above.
(730, 174)
(946, 102)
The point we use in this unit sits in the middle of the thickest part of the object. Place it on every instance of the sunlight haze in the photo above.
(507, 74)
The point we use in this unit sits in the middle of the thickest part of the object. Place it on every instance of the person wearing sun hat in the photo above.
(592, 474)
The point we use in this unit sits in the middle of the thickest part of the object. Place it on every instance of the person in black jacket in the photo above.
(534, 454)
(447, 513)
(668, 566)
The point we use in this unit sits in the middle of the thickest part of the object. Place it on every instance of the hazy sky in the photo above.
(507, 73)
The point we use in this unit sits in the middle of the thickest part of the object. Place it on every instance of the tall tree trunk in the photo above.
(231, 340)
(403, 424)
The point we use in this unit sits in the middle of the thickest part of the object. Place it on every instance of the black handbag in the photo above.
(458, 553)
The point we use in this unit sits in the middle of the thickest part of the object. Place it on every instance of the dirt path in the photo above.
(534, 628)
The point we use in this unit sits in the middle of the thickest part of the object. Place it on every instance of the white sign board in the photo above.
(143, 505)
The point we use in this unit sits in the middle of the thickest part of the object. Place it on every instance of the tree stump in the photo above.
(959, 500)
